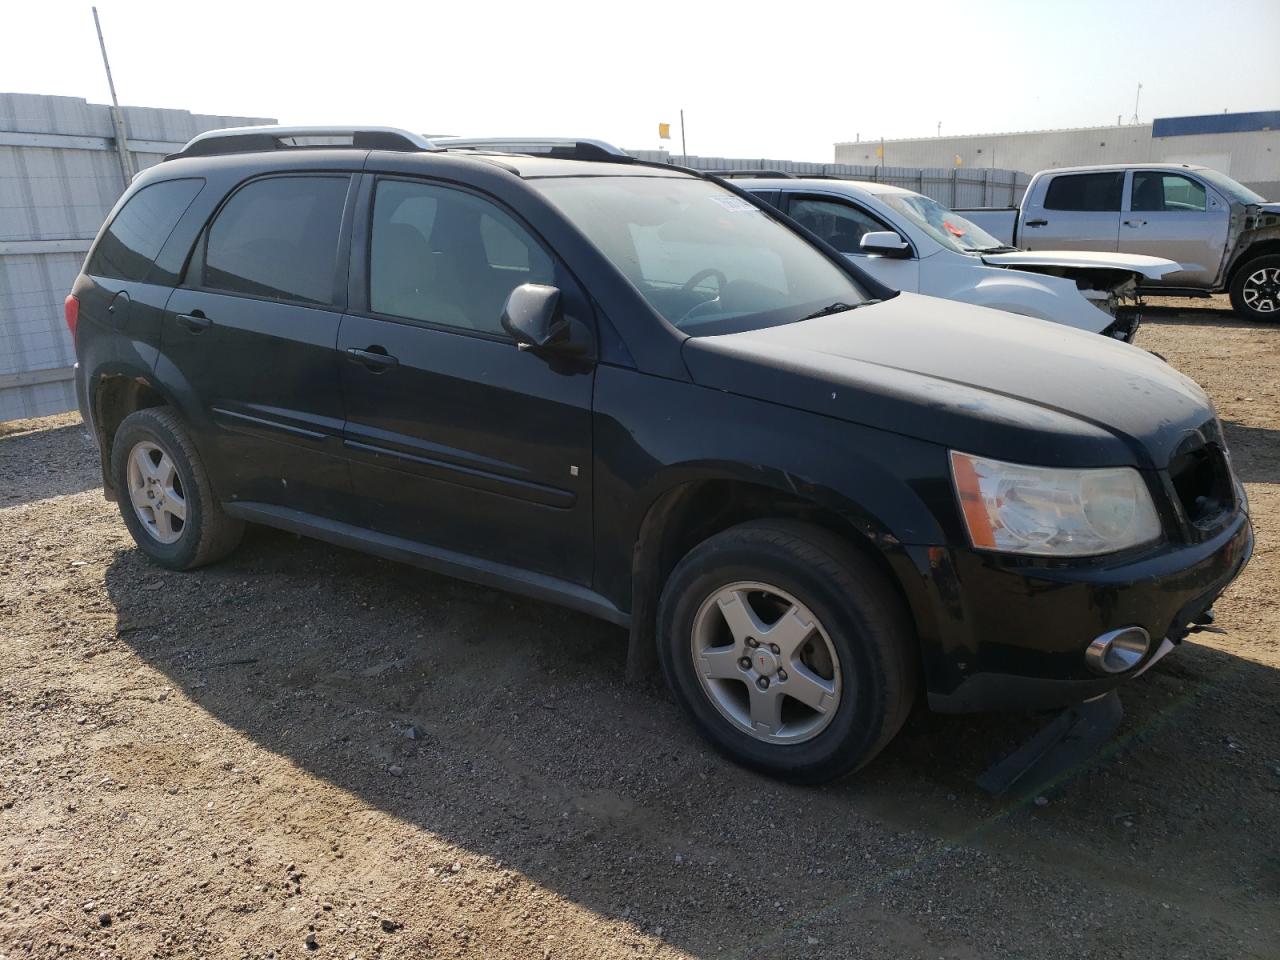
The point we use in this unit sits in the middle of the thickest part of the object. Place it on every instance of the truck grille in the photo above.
(1202, 481)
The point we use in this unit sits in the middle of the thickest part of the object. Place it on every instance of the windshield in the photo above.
(946, 226)
(705, 259)
(1236, 191)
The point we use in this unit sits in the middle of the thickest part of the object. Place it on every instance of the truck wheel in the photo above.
(166, 499)
(1255, 289)
(792, 653)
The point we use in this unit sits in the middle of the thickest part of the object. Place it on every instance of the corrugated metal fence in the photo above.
(59, 177)
(957, 187)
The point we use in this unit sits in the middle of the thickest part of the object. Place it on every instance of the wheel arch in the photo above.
(115, 395)
(691, 511)
(1261, 248)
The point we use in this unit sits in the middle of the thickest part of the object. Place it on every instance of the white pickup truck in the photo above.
(1225, 237)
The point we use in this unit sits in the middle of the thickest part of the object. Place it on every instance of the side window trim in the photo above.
(192, 273)
(361, 252)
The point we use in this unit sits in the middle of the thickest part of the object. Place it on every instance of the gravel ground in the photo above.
(303, 750)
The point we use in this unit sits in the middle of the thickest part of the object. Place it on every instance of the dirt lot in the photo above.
(306, 741)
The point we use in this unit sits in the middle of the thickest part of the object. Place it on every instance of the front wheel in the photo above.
(1255, 290)
(791, 652)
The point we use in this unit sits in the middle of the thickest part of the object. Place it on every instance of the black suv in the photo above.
(634, 390)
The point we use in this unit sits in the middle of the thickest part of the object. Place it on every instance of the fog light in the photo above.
(1118, 651)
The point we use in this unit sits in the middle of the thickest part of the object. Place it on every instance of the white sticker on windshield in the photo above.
(735, 204)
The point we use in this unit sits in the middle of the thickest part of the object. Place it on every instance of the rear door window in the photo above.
(1086, 191)
(278, 239)
(129, 246)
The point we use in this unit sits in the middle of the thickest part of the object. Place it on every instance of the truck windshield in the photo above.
(1236, 191)
(705, 259)
(946, 226)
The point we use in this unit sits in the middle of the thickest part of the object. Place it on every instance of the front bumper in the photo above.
(1003, 634)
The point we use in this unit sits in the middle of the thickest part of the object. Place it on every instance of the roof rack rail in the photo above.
(255, 139)
(751, 174)
(567, 148)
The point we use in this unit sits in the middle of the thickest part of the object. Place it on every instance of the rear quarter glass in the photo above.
(128, 246)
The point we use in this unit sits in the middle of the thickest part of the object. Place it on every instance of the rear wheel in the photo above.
(792, 652)
(166, 499)
(1255, 290)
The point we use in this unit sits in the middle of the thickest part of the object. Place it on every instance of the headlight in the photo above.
(1049, 512)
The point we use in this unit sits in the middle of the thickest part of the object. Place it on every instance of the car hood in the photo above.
(1153, 268)
(1269, 207)
(969, 378)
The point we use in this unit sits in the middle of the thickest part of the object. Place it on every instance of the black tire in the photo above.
(207, 534)
(857, 606)
(1238, 296)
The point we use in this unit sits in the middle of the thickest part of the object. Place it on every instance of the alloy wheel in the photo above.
(1261, 291)
(766, 663)
(155, 490)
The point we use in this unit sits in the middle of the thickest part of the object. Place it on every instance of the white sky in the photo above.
(783, 81)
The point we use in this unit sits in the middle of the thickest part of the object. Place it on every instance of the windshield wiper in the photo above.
(1002, 248)
(838, 307)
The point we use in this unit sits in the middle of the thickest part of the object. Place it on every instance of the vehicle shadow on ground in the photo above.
(531, 750)
(1205, 316)
(1255, 451)
(47, 463)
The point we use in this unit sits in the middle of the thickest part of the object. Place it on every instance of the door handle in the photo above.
(195, 321)
(374, 359)
(1037, 223)
(1135, 223)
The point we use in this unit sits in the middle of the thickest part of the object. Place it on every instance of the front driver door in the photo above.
(457, 439)
(842, 224)
(1176, 216)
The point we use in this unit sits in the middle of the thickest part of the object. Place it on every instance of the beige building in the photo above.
(1245, 146)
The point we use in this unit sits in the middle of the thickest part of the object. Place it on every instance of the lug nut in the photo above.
(744, 663)
(763, 683)
(782, 675)
(775, 649)
(752, 642)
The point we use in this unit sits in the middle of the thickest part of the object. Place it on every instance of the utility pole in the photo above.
(939, 128)
(117, 119)
(684, 150)
(1136, 98)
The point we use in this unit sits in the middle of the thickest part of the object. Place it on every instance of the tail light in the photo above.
(71, 308)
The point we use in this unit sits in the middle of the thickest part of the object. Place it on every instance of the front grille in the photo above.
(1202, 481)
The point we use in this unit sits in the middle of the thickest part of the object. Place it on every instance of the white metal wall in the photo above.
(1251, 157)
(59, 177)
(956, 187)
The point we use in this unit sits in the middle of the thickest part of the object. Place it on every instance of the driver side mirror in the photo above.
(533, 317)
(885, 243)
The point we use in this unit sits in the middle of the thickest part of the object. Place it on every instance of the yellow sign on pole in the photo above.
(664, 131)
(880, 152)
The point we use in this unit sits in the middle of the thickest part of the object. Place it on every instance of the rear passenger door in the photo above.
(458, 440)
(1079, 211)
(249, 340)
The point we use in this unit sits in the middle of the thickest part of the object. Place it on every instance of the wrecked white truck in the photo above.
(1225, 237)
(911, 242)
